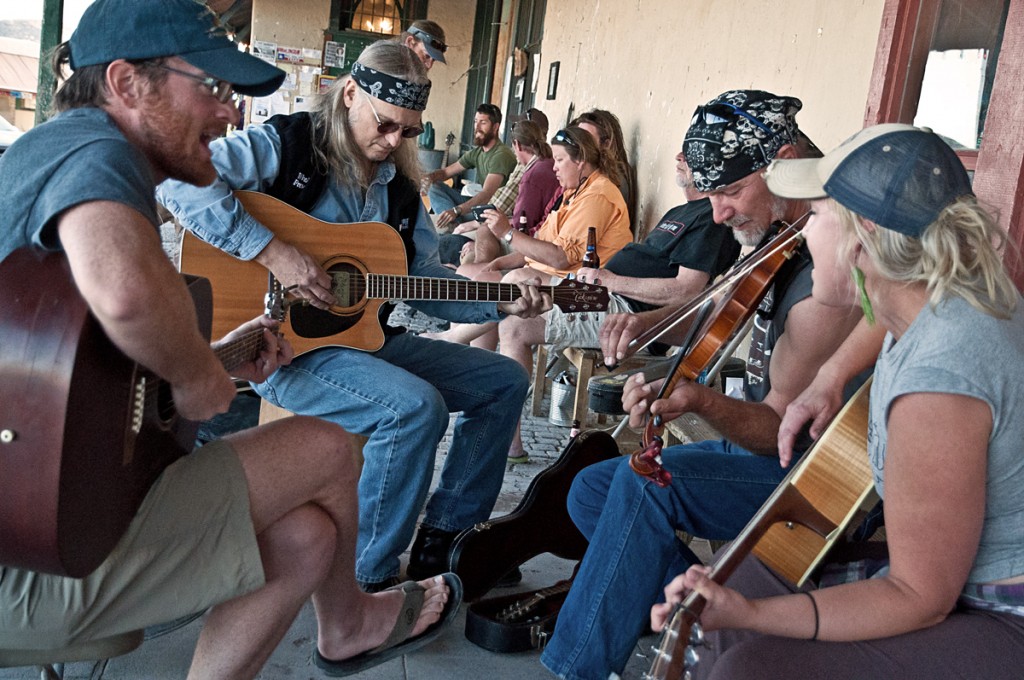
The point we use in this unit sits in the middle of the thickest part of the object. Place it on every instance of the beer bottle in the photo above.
(524, 224)
(590, 258)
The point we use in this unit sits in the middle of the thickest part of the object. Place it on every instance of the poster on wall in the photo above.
(289, 55)
(265, 50)
(334, 54)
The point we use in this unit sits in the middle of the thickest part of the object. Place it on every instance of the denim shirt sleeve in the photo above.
(427, 263)
(247, 159)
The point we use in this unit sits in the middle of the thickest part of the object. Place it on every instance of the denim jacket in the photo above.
(249, 159)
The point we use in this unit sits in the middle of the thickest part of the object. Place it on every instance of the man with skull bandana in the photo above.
(352, 159)
(716, 486)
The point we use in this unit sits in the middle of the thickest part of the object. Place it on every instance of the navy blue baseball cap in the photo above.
(896, 175)
(148, 29)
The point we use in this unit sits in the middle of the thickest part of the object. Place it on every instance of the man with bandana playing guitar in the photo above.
(352, 159)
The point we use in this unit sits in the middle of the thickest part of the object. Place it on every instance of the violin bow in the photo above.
(736, 273)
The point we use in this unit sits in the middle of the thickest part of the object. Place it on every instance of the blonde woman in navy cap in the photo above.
(897, 231)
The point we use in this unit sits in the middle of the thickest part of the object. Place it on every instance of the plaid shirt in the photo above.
(504, 199)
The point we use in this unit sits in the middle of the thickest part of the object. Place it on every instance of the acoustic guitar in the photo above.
(368, 266)
(793, 530)
(84, 430)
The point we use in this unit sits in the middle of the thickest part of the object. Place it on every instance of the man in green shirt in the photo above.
(493, 161)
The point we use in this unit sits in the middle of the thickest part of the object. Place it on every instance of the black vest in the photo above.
(301, 179)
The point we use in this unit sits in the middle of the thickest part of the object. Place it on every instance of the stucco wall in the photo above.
(652, 61)
(448, 81)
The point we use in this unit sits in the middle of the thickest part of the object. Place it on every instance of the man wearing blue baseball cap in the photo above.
(426, 39)
(238, 525)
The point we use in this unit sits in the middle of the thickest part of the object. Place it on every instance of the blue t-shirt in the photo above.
(77, 157)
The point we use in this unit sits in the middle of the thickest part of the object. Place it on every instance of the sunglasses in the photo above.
(221, 90)
(723, 112)
(429, 40)
(562, 137)
(386, 128)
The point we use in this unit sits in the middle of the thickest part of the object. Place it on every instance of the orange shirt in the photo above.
(597, 203)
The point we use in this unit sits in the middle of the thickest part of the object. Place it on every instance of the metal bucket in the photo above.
(563, 399)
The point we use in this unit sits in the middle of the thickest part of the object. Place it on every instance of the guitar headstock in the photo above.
(676, 655)
(572, 295)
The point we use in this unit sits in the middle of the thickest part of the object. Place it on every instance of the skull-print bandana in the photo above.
(737, 133)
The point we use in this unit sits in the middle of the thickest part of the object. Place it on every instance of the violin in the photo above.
(747, 286)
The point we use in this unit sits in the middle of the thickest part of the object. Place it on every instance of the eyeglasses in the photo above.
(562, 137)
(221, 90)
(386, 128)
(723, 112)
(429, 39)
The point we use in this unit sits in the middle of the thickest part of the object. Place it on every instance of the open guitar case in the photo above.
(482, 554)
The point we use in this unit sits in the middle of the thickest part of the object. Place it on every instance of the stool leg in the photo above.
(540, 380)
(583, 374)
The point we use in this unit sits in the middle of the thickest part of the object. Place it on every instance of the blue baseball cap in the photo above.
(148, 29)
(896, 175)
(434, 46)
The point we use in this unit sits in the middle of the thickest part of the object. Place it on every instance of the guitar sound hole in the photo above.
(164, 404)
(349, 284)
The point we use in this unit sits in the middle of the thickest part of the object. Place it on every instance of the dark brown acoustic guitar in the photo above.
(84, 431)
(367, 263)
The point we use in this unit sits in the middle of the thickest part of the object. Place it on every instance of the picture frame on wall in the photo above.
(324, 82)
(553, 79)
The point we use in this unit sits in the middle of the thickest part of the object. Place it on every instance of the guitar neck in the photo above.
(241, 350)
(391, 287)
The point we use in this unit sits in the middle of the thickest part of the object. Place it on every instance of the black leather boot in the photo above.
(429, 554)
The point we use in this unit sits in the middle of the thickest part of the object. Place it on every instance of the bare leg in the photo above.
(518, 337)
(306, 526)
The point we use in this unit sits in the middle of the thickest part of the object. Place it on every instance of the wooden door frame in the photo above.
(903, 42)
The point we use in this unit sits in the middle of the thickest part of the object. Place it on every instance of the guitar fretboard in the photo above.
(242, 349)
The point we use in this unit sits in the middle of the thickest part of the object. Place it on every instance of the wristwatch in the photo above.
(507, 238)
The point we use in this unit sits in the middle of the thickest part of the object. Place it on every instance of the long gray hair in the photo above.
(334, 145)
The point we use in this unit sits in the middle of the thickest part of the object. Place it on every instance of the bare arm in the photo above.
(686, 285)
(823, 398)
(442, 174)
(491, 183)
(142, 303)
(524, 244)
(932, 541)
(813, 332)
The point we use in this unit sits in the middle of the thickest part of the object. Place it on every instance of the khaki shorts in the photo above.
(579, 329)
(190, 546)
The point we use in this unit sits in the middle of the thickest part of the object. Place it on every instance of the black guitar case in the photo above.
(540, 523)
(516, 623)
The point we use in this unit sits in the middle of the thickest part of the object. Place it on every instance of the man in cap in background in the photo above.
(426, 39)
(239, 525)
(716, 486)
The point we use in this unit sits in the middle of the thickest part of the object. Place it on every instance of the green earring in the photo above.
(865, 301)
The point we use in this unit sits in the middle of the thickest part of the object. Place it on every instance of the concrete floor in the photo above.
(451, 656)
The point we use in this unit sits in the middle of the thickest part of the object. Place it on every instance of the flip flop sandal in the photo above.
(398, 641)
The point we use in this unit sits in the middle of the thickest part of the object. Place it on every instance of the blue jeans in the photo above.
(630, 522)
(443, 197)
(400, 397)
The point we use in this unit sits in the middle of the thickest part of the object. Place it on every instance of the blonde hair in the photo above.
(957, 255)
(333, 143)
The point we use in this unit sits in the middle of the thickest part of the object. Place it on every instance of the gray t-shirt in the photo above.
(957, 349)
(77, 157)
